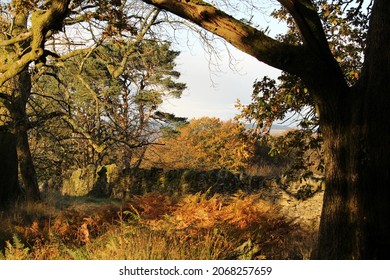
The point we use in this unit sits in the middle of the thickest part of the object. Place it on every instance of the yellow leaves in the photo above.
(326, 13)
(16, 250)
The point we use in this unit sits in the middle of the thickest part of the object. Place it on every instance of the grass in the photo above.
(153, 226)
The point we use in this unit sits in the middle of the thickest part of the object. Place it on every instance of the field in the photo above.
(153, 226)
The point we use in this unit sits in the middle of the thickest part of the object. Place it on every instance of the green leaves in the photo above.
(109, 97)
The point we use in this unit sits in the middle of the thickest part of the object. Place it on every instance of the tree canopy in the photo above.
(97, 38)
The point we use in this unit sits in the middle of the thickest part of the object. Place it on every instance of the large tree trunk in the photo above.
(355, 222)
(9, 188)
(26, 167)
(27, 171)
(17, 54)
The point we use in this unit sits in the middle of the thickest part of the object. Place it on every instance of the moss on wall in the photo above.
(110, 181)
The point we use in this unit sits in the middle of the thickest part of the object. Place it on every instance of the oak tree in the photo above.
(25, 27)
(39, 35)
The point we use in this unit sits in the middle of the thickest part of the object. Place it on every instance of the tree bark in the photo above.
(28, 174)
(355, 222)
(29, 180)
(9, 188)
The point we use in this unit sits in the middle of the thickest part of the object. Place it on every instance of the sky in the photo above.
(214, 92)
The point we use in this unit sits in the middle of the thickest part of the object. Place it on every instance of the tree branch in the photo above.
(15, 68)
(99, 148)
(312, 61)
(44, 118)
(241, 35)
(315, 42)
(309, 24)
(19, 38)
(42, 21)
(144, 29)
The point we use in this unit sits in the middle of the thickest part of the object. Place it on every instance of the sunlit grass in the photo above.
(153, 226)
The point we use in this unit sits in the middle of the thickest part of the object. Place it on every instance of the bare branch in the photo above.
(145, 28)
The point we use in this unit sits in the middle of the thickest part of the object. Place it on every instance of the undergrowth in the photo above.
(153, 226)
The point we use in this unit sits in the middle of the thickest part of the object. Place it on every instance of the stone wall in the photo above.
(110, 181)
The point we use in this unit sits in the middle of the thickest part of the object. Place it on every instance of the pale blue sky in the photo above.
(212, 93)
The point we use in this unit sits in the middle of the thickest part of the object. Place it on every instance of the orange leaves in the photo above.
(204, 144)
(151, 205)
(245, 211)
(83, 234)
(77, 224)
(198, 212)
(61, 228)
(32, 232)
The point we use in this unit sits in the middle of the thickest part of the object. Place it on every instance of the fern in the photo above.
(16, 250)
(78, 253)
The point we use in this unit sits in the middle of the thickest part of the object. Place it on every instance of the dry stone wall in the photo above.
(110, 181)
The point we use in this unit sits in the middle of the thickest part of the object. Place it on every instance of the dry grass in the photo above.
(153, 226)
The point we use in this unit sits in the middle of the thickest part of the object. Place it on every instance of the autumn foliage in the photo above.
(198, 226)
(204, 144)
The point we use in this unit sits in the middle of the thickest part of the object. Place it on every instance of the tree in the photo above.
(20, 47)
(110, 118)
(30, 33)
(355, 220)
(289, 100)
(148, 79)
(203, 144)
